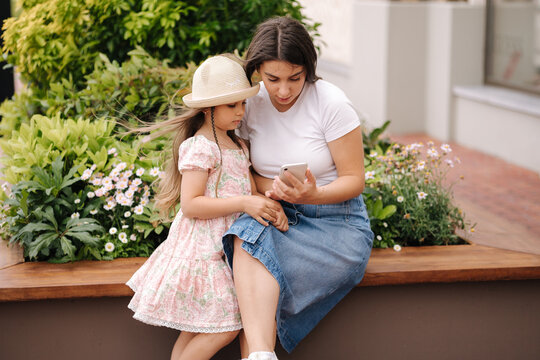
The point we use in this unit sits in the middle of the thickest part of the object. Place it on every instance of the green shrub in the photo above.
(41, 216)
(140, 88)
(43, 139)
(43, 160)
(53, 40)
(407, 198)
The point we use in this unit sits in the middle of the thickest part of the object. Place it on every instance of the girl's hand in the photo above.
(299, 193)
(261, 209)
(281, 223)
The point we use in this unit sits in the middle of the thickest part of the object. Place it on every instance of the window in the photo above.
(513, 44)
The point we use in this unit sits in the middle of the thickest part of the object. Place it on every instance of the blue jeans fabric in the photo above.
(316, 262)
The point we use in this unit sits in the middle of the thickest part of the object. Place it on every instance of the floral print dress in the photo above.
(186, 284)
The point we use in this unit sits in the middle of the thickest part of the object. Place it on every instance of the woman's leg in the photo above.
(203, 346)
(258, 295)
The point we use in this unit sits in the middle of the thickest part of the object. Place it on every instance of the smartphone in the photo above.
(298, 170)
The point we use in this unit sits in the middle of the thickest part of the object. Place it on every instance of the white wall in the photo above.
(511, 135)
(403, 64)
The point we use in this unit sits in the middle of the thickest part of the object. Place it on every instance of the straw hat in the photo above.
(218, 81)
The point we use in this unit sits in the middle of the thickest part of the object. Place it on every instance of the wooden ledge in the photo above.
(433, 264)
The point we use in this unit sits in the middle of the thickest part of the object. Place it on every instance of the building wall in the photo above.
(488, 320)
(406, 60)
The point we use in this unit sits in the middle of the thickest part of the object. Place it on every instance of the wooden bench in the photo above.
(90, 279)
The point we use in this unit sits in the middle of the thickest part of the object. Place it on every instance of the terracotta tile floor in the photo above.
(503, 198)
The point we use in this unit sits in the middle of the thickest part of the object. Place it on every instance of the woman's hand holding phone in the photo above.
(298, 192)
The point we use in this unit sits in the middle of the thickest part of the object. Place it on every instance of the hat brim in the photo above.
(222, 99)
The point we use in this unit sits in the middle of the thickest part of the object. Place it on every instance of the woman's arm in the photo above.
(195, 205)
(348, 155)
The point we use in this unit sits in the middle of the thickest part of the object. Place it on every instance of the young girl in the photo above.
(186, 284)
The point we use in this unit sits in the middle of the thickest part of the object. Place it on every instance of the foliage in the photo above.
(52, 40)
(39, 215)
(407, 198)
(44, 139)
(120, 199)
(141, 88)
(48, 198)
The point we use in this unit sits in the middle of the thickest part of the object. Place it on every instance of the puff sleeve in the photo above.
(197, 153)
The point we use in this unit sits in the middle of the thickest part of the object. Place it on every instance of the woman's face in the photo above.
(283, 81)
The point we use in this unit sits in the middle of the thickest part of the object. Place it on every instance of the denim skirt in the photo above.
(316, 262)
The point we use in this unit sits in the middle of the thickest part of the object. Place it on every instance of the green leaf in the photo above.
(84, 237)
(67, 247)
(43, 241)
(388, 211)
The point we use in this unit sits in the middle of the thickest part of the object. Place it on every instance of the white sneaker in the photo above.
(262, 355)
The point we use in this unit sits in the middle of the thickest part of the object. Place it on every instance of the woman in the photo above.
(292, 279)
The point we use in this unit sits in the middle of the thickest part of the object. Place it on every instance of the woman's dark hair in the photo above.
(282, 38)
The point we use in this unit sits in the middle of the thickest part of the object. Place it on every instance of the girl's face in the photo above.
(229, 116)
(283, 81)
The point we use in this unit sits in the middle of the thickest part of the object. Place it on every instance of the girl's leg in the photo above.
(181, 344)
(203, 346)
(244, 349)
(258, 295)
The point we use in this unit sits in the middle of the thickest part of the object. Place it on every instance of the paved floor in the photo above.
(503, 198)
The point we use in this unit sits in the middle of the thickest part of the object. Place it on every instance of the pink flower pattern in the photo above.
(186, 284)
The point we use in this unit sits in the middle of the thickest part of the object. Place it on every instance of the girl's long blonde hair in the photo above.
(183, 127)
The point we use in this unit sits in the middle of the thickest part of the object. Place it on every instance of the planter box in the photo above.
(10, 254)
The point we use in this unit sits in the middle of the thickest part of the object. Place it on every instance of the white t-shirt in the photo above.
(321, 114)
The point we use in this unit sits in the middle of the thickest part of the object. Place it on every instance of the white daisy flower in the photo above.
(106, 181)
(370, 175)
(421, 195)
(432, 153)
(127, 214)
(109, 247)
(122, 184)
(123, 237)
(77, 201)
(139, 172)
(120, 166)
(96, 181)
(111, 151)
(379, 237)
(136, 182)
(91, 194)
(449, 163)
(93, 211)
(113, 230)
(400, 199)
(75, 215)
(373, 154)
(93, 167)
(126, 202)
(86, 174)
(125, 226)
(154, 171)
(397, 248)
(133, 237)
(420, 165)
(144, 201)
(138, 209)
(127, 173)
(446, 148)
(385, 224)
